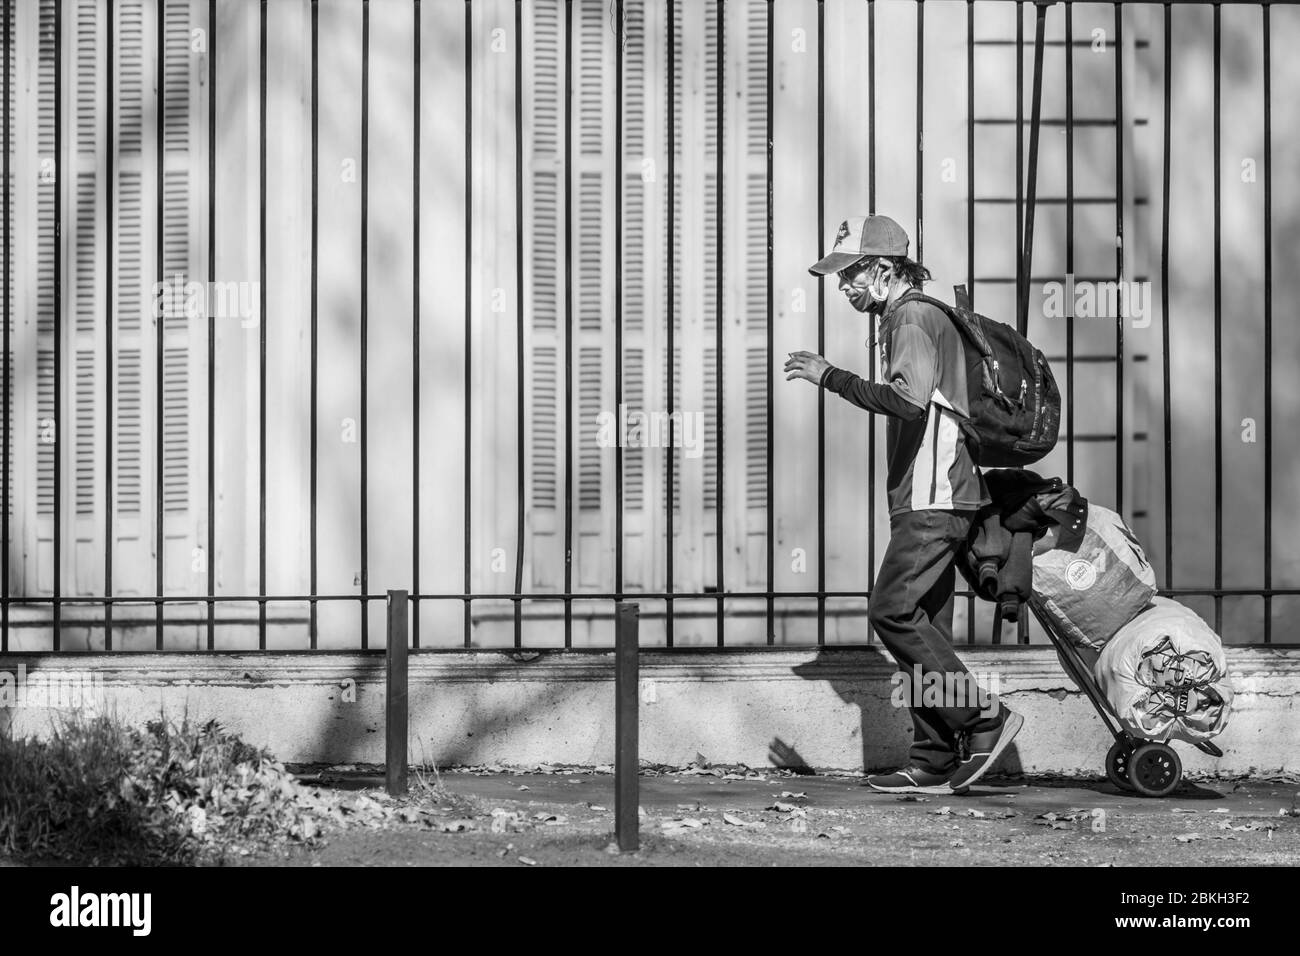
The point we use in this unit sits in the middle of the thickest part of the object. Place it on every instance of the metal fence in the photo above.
(1026, 202)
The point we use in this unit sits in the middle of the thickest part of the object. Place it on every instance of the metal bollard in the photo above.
(627, 802)
(395, 706)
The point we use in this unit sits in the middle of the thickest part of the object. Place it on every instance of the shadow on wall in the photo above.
(884, 727)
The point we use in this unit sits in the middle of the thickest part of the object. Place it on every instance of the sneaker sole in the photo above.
(1010, 727)
(938, 789)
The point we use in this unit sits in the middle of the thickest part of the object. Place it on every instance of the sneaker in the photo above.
(910, 780)
(982, 751)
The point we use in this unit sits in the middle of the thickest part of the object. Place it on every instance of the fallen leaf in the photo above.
(527, 861)
(734, 820)
(786, 794)
(524, 786)
(685, 823)
(597, 807)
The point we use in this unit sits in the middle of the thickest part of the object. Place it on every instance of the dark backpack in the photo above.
(1015, 405)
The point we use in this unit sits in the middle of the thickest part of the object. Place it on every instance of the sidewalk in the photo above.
(752, 818)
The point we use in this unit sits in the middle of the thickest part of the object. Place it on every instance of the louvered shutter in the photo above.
(84, 291)
(46, 437)
(749, 161)
(642, 177)
(136, 194)
(544, 301)
(10, 409)
(183, 377)
(133, 269)
(593, 201)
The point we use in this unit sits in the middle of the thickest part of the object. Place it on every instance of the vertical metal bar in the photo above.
(1069, 239)
(920, 130)
(314, 619)
(970, 217)
(1164, 300)
(821, 321)
(110, 77)
(469, 327)
(211, 555)
(568, 323)
(719, 457)
(871, 111)
(1218, 333)
(618, 293)
(871, 328)
(261, 333)
(415, 331)
(396, 709)
(626, 762)
(519, 321)
(365, 320)
(1119, 256)
(1020, 154)
(771, 343)
(1022, 320)
(160, 343)
(670, 359)
(970, 150)
(1268, 328)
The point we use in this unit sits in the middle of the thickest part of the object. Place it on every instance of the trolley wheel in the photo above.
(1154, 770)
(1117, 762)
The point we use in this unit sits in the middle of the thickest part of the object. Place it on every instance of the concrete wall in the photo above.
(827, 709)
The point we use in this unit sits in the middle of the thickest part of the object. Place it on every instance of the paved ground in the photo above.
(701, 818)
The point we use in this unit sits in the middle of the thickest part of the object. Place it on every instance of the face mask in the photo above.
(878, 288)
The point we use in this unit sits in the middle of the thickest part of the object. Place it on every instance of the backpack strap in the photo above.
(960, 317)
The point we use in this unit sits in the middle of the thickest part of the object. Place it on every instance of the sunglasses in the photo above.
(855, 270)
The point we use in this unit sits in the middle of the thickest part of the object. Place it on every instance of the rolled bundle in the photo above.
(1165, 676)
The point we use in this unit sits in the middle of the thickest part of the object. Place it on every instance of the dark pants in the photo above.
(911, 611)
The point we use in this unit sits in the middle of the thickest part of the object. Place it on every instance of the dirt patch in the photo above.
(558, 820)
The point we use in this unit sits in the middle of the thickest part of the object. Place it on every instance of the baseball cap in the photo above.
(860, 237)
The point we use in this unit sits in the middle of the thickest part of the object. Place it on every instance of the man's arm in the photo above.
(873, 396)
(913, 371)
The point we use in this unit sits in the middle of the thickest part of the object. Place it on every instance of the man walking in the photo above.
(934, 490)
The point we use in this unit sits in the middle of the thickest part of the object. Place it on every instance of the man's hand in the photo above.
(807, 366)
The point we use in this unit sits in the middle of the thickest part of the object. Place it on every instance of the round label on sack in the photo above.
(1080, 574)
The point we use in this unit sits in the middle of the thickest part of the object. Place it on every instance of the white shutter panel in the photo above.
(10, 409)
(640, 179)
(594, 303)
(132, 307)
(84, 254)
(183, 376)
(544, 302)
(752, 278)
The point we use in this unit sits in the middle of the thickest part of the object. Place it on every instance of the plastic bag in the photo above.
(1091, 593)
(1165, 676)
